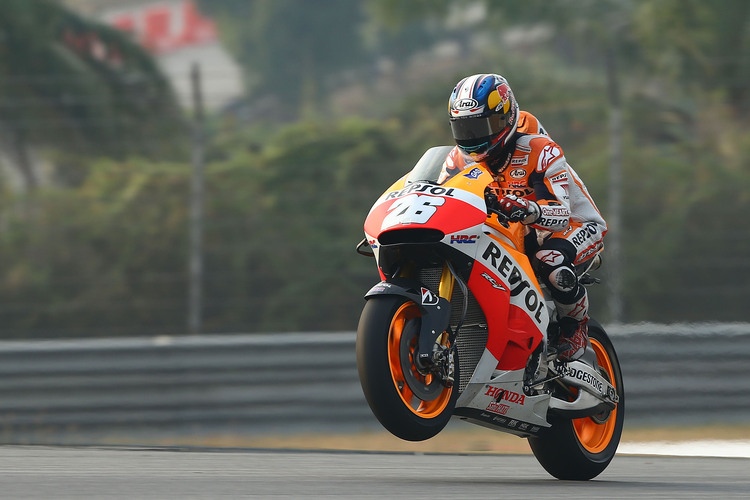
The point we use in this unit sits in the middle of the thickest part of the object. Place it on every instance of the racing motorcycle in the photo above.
(460, 327)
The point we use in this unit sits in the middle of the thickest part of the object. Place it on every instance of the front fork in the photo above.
(447, 281)
(435, 349)
(442, 360)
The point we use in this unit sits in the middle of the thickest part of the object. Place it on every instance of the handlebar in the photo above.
(490, 198)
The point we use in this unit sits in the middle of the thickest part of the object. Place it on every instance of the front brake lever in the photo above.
(501, 217)
(491, 200)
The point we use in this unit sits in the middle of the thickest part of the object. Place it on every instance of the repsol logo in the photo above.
(519, 285)
(516, 161)
(421, 188)
(546, 222)
(518, 192)
(583, 234)
(561, 177)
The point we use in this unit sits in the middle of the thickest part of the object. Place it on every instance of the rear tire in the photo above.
(411, 406)
(580, 449)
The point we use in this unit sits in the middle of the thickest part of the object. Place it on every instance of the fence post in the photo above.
(195, 304)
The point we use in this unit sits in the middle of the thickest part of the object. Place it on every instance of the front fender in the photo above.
(436, 311)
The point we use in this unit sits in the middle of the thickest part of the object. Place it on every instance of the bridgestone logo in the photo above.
(586, 378)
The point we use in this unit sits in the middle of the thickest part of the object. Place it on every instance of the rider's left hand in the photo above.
(519, 209)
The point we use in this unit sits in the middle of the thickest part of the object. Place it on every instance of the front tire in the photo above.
(412, 406)
(580, 449)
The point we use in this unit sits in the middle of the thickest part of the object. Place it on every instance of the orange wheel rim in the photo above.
(421, 408)
(595, 436)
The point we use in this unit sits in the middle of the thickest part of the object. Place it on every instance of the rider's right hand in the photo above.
(519, 209)
(492, 199)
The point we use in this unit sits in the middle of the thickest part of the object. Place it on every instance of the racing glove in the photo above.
(519, 209)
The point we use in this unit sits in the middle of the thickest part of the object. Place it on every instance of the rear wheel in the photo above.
(411, 405)
(582, 448)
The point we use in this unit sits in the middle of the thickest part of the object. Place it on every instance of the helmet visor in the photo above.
(479, 129)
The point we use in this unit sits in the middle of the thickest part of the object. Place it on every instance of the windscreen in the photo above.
(428, 167)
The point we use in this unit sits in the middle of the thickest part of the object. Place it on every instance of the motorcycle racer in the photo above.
(535, 186)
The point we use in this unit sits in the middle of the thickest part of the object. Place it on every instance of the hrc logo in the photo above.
(464, 238)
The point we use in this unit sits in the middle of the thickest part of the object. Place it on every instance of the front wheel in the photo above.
(580, 449)
(410, 405)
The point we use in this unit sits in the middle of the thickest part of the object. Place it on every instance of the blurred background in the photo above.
(205, 166)
(312, 109)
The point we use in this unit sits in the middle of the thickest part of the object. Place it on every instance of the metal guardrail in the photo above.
(140, 389)
(685, 373)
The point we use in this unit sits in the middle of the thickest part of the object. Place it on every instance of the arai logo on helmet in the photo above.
(518, 173)
(465, 104)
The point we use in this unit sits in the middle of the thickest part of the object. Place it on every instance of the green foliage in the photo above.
(289, 48)
(102, 256)
(105, 251)
(685, 249)
(291, 215)
(704, 45)
(69, 82)
(281, 227)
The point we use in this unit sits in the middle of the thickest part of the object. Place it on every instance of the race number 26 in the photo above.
(412, 209)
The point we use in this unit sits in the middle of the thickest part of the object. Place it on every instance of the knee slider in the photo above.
(554, 268)
(564, 279)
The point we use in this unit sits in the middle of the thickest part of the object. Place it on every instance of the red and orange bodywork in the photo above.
(501, 278)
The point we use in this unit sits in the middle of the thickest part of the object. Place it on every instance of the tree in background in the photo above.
(285, 202)
(283, 222)
(108, 256)
(78, 85)
(702, 45)
(682, 83)
(291, 51)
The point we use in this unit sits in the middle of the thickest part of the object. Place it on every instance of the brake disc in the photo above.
(415, 380)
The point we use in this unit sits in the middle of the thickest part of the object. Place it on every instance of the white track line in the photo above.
(705, 448)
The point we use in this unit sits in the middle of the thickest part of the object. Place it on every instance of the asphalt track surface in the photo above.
(90, 472)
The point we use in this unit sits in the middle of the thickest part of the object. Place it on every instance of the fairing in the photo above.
(431, 226)
(453, 212)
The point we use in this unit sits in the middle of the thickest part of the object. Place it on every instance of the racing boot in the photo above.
(573, 339)
(574, 330)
